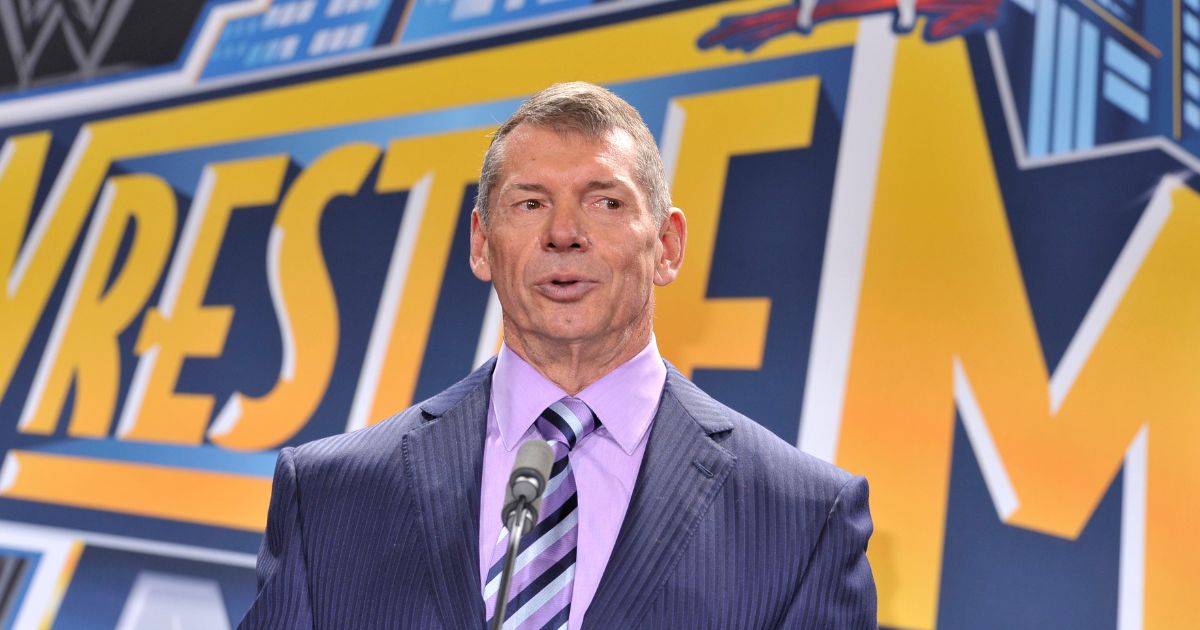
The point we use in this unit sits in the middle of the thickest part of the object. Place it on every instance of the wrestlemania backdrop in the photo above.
(952, 245)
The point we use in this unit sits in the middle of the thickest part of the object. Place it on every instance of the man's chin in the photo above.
(565, 329)
(571, 335)
(576, 333)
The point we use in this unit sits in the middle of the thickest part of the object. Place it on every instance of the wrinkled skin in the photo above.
(574, 252)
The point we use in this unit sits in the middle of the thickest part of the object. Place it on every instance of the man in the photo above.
(665, 508)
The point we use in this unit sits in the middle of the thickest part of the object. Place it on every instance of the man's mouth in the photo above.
(565, 289)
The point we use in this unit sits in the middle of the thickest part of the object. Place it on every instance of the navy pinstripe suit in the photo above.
(728, 527)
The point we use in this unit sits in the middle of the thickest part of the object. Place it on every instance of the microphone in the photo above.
(530, 473)
(522, 500)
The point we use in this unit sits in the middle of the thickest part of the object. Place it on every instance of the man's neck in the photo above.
(575, 365)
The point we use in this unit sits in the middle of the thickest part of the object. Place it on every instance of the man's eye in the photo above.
(531, 204)
(612, 204)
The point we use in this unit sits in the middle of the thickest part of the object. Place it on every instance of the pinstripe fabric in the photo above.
(728, 527)
(755, 533)
(376, 528)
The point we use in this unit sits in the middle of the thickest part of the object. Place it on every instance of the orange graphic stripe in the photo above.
(193, 496)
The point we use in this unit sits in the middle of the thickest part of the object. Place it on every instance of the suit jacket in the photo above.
(728, 527)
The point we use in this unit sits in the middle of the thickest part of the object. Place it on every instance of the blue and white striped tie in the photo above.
(539, 596)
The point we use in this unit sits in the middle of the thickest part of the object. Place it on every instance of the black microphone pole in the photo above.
(516, 529)
(530, 473)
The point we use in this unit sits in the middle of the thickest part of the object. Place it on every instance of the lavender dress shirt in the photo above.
(605, 464)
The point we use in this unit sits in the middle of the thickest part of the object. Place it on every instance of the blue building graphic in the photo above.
(292, 31)
(297, 30)
(1103, 72)
(431, 18)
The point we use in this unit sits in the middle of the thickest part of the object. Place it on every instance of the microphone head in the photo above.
(531, 471)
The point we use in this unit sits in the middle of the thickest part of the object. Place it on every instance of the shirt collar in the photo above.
(625, 400)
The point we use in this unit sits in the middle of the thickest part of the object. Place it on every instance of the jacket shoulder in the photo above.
(364, 447)
(762, 456)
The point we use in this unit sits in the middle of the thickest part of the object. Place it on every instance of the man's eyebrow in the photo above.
(529, 187)
(602, 184)
(595, 184)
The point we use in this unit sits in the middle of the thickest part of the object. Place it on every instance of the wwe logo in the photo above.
(87, 29)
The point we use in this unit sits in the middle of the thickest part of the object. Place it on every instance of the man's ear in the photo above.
(673, 238)
(479, 248)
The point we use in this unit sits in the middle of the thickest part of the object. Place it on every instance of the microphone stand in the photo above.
(516, 529)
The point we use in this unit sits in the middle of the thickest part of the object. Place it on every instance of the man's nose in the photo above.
(565, 230)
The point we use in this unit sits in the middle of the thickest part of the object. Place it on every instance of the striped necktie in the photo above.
(539, 596)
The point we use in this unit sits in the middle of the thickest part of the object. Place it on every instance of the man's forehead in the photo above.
(615, 137)
(532, 151)
(590, 185)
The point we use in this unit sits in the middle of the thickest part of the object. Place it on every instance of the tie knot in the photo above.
(567, 421)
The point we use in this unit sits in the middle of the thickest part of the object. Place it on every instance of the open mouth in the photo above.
(566, 289)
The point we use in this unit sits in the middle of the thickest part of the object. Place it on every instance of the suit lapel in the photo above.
(445, 460)
(682, 471)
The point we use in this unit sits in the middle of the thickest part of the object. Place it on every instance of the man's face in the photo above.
(571, 245)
